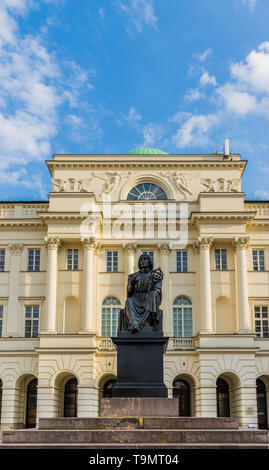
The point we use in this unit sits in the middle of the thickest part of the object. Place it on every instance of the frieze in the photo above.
(221, 185)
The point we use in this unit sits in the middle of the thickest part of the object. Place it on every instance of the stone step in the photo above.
(89, 446)
(138, 423)
(138, 436)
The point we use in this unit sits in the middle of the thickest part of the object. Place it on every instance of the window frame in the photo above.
(1, 319)
(34, 259)
(111, 320)
(180, 262)
(184, 320)
(32, 319)
(222, 260)
(258, 250)
(114, 261)
(261, 306)
(4, 259)
(73, 262)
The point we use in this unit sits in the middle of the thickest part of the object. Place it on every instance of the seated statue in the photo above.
(144, 295)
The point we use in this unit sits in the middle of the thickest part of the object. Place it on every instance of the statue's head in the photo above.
(145, 261)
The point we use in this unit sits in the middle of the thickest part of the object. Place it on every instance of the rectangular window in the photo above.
(34, 260)
(182, 261)
(261, 321)
(1, 320)
(72, 259)
(2, 260)
(258, 260)
(112, 261)
(31, 321)
(151, 255)
(221, 259)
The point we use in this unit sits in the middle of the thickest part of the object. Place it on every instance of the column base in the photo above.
(206, 332)
(245, 332)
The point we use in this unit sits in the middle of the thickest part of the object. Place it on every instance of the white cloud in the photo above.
(140, 13)
(262, 193)
(133, 116)
(206, 79)
(254, 72)
(101, 12)
(192, 95)
(195, 131)
(202, 57)
(236, 101)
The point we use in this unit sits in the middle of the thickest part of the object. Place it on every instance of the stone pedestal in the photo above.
(140, 364)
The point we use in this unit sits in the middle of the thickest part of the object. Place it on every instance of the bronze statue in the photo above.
(144, 295)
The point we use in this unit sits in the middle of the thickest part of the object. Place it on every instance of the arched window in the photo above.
(182, 317)
(108, 386)
(146, 191)
(223, 399)
(1, 385)
(31, 402)
(71, 398)
(261, 404)
(110, 313)
(181, 390)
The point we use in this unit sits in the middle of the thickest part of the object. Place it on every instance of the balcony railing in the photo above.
(105, 344)
(181, 343)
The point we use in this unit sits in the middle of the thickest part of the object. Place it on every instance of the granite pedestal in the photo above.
(140, 364)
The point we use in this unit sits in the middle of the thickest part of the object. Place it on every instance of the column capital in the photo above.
(52, 243)
(205, 242)
(88, 243)
(15, 249)
(130, 248)
(164, 248)
(241, 243)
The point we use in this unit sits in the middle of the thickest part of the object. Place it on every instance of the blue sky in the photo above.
(93, 76)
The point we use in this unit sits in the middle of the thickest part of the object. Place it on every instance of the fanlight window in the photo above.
(110, 313)
(146, 191)
(182, 317)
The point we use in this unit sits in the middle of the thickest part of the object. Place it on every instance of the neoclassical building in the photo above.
(63, 270)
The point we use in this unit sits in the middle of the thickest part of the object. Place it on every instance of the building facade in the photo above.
(63, 270)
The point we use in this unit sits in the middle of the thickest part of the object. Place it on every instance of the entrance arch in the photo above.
(1, 386)
(31, 403)
(71, 398)
(261, 404)
(223, 399)
(182, 391)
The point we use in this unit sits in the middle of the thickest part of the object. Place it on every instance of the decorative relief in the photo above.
(180, 181)
(205, 242)
(72, 185)
(15, 249)
(221, 185)
(164, 248)
(241, 243)
(89, 243)
(130, 248)
(52, 243)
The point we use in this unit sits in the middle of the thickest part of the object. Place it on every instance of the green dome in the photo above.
(147, 151)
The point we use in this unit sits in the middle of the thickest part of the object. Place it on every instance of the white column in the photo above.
(242, 285)
(14, 279)
(88, 286)
(164, 252)
(51, 295)
(205, 282)
(130, 250)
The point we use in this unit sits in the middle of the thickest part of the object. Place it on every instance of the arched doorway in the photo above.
(31, 402)
(71, 398)
(261, 404)
(181, 390)
(107, 388)
(1, 386)
(223, 399)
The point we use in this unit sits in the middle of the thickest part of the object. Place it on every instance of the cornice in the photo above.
(115, 164)
(231, 217)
